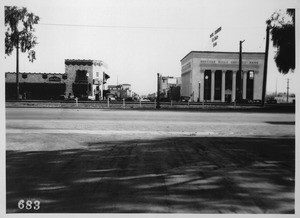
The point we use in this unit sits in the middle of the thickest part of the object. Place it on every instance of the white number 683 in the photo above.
(28, 205)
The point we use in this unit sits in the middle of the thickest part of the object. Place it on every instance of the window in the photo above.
(97, 74)
(81, 75)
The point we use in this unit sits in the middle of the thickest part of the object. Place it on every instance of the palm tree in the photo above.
(19, 35)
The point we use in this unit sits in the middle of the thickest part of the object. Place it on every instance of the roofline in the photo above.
(221, 52)
(88, 62)
(34, 73)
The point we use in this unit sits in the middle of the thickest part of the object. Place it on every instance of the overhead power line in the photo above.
(144, 27)
(118, 27)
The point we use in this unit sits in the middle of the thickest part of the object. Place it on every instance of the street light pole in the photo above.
(287, 90)
(206, 78)
(157, 98)
(87, 90)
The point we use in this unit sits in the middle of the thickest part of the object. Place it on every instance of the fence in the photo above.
(124, 104)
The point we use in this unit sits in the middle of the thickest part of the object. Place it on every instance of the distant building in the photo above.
(36, 85)
(166, 84)
(115, 90)
(282, 98)
(121, 91)
(215, 76)
(86, 78)
(82, 79)
(151, 96)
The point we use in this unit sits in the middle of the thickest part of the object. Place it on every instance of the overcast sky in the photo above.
(139, 38)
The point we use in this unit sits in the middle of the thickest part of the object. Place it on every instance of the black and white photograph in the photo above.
(149, 107)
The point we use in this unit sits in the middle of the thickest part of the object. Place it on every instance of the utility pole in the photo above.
(199, 91)
(276, 89)
(17, 71)
(101, 91)
(265, 67)
(240, 69)
(287, 90)
(157, 98)
(87, 88)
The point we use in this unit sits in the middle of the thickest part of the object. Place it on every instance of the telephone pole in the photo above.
(287, 90)
(276, 89)
(157, 98)
(240, 97)
(17, 71)
(265, 67)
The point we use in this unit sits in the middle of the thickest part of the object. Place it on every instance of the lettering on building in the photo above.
(234, 62)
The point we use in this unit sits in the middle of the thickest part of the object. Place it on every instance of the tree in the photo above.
(174, 93)
(282, 28)
(19, 34)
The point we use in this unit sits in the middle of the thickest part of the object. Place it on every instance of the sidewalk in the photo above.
(286, 108)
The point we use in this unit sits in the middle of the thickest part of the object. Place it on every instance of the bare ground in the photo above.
(163, 175)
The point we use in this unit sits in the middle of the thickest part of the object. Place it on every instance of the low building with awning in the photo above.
(84, 79)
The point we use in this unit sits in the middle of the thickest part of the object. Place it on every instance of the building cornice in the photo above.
(35, 73)
(84, 62)
(220, 52)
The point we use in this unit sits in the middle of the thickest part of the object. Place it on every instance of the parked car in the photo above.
(185, 98)
(256, 101)
(144, 99)
(91, 98)
(244, 101)
(62, 97)
(272, 101)
(129, 99)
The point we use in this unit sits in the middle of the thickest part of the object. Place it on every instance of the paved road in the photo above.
(69, 128)
(149, 161)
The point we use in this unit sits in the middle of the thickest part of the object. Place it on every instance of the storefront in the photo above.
(82, 78)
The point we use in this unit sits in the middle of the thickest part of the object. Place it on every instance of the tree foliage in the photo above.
(283, 36)
(19, 30)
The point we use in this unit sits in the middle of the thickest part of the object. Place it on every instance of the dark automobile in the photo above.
(256, 101)
(130, 99)
(272, 101)
(185, 98)
(244, 101)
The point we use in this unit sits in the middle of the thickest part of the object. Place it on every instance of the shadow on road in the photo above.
(173, 175)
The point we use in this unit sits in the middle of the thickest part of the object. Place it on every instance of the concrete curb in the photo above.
(136, 106)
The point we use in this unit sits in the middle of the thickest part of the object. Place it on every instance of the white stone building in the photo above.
(215, 76)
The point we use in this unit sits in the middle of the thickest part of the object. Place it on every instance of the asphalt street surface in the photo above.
(120, 161)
